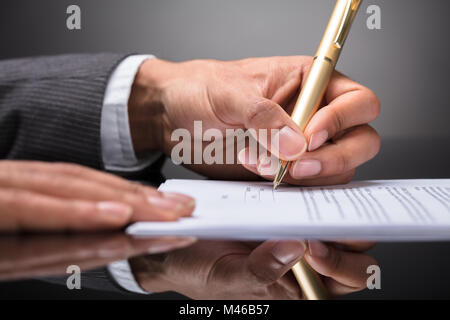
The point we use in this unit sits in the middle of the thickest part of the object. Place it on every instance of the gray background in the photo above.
(406, 64)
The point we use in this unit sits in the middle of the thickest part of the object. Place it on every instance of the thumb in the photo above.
(274, 129)
(271, 260)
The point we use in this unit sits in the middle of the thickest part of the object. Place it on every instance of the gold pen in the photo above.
(307, 104)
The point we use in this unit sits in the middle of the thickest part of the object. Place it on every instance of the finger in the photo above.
(264, 165)
(290, 285)
(248, 160)
(23, 210)
(154, 206)
(56, 248)
(270, 125)
(97, 258)
(268, 167)
(77, 171)
(336, 289)
(117, 184)
(352, 245)
(335, 161)
(354, 148)
(269, 172)
(272, 259)
(347, 268)
(22, 251)
(339, 179)
(160, 244)
(51, 254)
(282, 76)
(350, 104)
(186, 204)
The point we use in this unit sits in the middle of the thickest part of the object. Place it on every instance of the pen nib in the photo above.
(275, 185)
(281, 173)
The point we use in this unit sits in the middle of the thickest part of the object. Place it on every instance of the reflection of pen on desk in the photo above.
(307, 104)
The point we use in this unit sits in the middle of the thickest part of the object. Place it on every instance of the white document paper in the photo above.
(373, 210)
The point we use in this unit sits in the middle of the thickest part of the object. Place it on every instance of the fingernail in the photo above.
(306, 168)
(318, 249)
(115, 211)
(289, 143)
(317, 140)
(267, 166)
(184, 200)
(164, 203)
(241, 157)
(246, 158)
(287, 252)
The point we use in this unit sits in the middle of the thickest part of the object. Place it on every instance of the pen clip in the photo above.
(350, 12)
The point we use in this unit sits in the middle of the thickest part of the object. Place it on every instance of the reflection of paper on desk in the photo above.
(379, 210)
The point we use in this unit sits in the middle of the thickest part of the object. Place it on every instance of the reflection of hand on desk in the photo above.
(250, 270)
(30, 256)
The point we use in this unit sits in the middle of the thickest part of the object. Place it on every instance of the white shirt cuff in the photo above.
(121, 272)
(116, 144)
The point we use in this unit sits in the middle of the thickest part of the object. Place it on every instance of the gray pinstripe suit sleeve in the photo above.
(50, 107)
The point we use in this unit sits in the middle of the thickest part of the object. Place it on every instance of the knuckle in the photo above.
(9, 217)
(306, 64)
(342, 163)
(337, 120)
(374, 104)
(377, 144)
(82, 212)
(130, 198)
(136, 188)
(335, 261)
(84, 216)
(375, 141)
(258, 111)
(349, 176)
(13, 198)
(137, 193)
(265, 276)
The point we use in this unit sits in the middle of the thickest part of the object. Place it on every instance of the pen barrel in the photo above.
(338, 28)
(310, 282)
(313, 90)
(309, 100)
(327, 55)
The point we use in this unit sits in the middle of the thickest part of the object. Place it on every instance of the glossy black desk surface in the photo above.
(408, 270)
